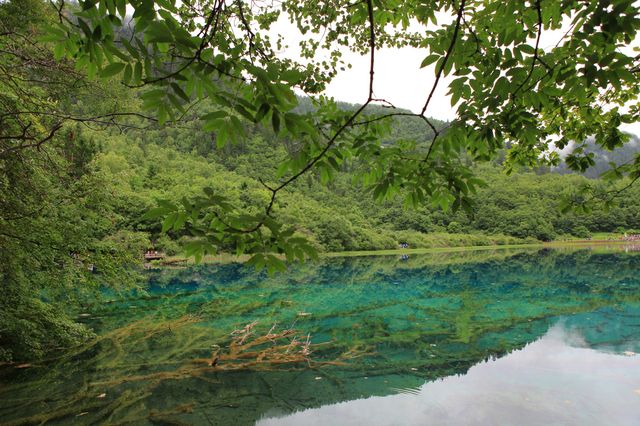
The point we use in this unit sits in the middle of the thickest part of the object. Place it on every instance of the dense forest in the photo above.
(173, 163)
(75, 189)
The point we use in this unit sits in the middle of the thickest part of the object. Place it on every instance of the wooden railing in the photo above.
(153, 255)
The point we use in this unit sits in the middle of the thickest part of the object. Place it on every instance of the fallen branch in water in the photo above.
(282, 347)
(248, 350)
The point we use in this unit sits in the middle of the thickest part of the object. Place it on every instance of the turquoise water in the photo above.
(495, 337)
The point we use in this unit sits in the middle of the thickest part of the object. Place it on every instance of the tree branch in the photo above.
(446, 57)
(331, 142)
(535, 53)
(37, 145)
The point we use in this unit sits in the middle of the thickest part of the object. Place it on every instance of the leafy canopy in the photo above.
(510, 91)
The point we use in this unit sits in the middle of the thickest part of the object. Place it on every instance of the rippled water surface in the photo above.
(488, 337)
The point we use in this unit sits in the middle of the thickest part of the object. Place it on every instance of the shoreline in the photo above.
(224, 258)
(550, 244)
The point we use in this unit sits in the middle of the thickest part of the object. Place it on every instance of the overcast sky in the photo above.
(398, 76)
(398, 79)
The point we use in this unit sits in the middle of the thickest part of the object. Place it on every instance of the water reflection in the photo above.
(557, 379)
(549, 325)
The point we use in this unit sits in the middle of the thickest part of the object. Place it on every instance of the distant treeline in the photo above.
(176, 162)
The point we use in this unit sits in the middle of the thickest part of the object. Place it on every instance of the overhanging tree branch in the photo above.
(330, 143)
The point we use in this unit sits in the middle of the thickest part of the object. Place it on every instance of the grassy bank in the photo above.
(574, 243)
(552, 244)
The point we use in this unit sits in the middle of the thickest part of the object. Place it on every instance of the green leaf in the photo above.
(155, 213)
(132, 51)
(178, 91)
(158, 32)
(169, 221)
(275, 121)
(126, 78)
(112, 69)
(430, 60)
(180, 220)
(213, 115)
(121, 5)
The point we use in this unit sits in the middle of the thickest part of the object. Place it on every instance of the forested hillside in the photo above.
(174, 162)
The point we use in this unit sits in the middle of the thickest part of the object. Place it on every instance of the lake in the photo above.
(479, 337)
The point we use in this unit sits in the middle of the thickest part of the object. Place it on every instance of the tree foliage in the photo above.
(55, 212)
(509, 90)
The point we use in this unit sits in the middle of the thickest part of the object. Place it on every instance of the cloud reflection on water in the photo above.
(554, 380)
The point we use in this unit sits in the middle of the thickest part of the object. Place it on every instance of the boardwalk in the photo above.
(153, 255)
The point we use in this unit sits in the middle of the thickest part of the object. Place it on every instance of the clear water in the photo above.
(491, 337)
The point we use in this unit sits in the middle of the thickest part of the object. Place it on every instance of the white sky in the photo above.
(398, 79)
(398, 76)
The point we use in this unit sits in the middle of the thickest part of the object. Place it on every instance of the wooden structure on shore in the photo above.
(153, 255)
